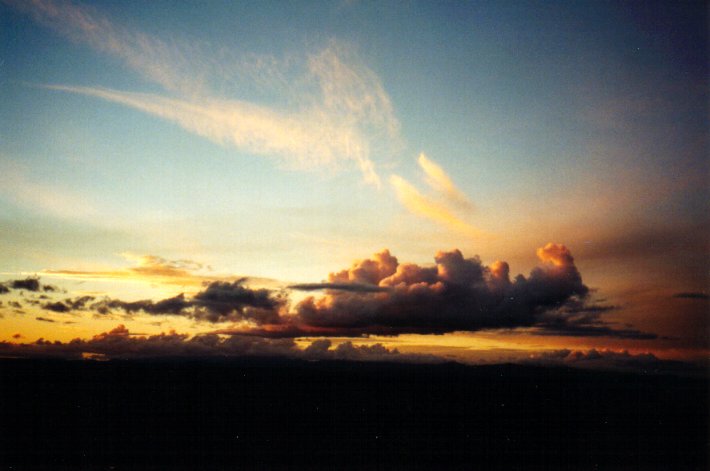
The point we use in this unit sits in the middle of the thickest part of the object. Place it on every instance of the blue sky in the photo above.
(283, 140)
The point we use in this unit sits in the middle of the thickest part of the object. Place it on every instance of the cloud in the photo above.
(356, 287)
(68, 304)
(439, 181)
(223, 301)
(381, 296)
(445, 206)
(428, 208)
(120, 343)
(606, 359)
(30, 284)
(330, 108)
(456, 294)
(150, 268)
(27, 284)
(219, 301)
(56, 307)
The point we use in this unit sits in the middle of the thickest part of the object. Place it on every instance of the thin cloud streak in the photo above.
(427, 207)
(439, 181)
(149, 268)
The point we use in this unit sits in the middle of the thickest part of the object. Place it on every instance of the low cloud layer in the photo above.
(120, 343)
(646, 363)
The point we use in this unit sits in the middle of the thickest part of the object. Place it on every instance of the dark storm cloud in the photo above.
(692, 295)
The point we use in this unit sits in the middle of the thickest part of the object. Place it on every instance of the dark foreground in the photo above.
(270, 414)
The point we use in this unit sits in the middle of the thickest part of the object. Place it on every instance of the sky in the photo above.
(482, 181)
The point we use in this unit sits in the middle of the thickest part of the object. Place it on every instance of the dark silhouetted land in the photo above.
(266, 414)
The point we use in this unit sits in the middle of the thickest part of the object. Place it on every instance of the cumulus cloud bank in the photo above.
(456, 294)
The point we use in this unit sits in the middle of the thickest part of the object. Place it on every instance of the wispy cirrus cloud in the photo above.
(326, 108)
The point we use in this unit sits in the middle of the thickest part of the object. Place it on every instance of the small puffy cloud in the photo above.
(57, 307)
(29, 284)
